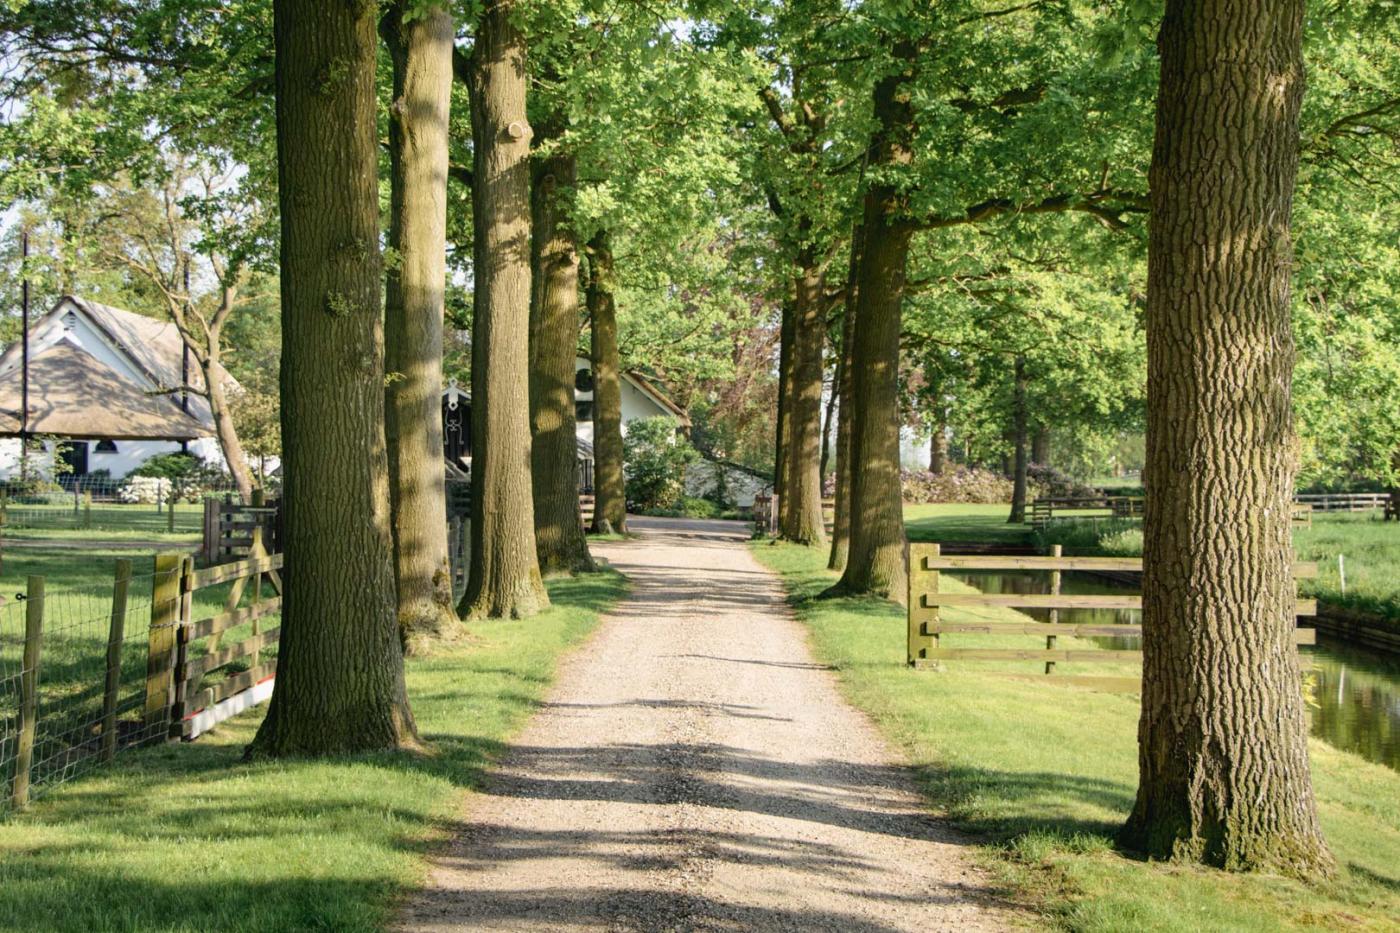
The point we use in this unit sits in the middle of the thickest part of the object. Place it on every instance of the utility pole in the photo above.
(24, 357)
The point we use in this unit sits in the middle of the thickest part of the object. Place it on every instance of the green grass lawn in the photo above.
(1045, 774)
(134, 519)
(189, 838)
(948, 522)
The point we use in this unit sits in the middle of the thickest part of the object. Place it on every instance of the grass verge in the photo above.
(189, 838)
(1045, 774)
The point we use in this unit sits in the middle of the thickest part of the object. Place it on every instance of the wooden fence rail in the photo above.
(926, 625)
(1048, 509)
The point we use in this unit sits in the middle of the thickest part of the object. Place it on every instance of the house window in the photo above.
(583, 412)
(106, 447)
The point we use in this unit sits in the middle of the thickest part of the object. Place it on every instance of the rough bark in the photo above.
(1020, 439)
(1223, 754)
(1040, 445)
(609, 484)
(505, 580)
(560, 543)
(784, 426)
(875, 564)
(339, 665)
(421, 51)
(828, 424)
(938, 443)
(841, 516)
(802, 520)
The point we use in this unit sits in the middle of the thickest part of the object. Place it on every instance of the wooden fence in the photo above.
(66, 706)
(926, 625)
(1345, 501)
(1089, 508)
(228, 527)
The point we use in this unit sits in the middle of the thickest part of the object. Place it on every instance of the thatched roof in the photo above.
(152, 346)
(74, 394)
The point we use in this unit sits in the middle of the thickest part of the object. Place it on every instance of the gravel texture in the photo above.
(695, 769)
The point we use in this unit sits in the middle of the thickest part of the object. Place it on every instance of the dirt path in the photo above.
(696, 770)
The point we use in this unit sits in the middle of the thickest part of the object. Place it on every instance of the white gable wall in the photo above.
(636, 404)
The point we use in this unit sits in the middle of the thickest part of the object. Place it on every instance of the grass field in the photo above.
(189, 838)
(134, 519)
(1045, 774)
(947, 522)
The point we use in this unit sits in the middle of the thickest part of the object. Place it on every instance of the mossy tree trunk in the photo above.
(609, 484)
(554, 328)
(1040, 445)
(421, 50)
(875, 564)
(504, 581)
(802, 520)
(1223, 753)
(841, 517)
(1020, 441)
(339, 666)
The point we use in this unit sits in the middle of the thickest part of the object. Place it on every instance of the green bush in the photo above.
(690, 507)
(656, 457)
(176, 466)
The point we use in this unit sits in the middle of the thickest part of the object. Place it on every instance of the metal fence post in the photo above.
(29, 689)
(115, 634)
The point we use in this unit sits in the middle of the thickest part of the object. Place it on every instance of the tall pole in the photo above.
(24, 357)
(185, 359)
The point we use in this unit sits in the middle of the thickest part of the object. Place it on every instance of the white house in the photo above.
(101, 381)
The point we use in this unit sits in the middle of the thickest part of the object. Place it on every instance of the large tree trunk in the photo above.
(505, 576)
(877, 551)
(802, 518)
(841, 516)
(339, 665)
(1020, 439)
(828, 423)
(421, 49)
(559, 538)
(783, 443)
(1040, 445)
(1223, 753)
(609, 484)
(938, 442)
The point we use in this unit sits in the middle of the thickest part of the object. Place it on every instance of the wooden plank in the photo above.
(28, 690)
(1036, 654)
(1303, 607)
(918, 552)
(919, 639)
(227, 688)
(1301, 636)
(197, 668)
(227, 620)
(1032, 600)
(211, 576)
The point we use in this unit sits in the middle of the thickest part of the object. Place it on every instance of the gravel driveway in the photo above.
(695, 769)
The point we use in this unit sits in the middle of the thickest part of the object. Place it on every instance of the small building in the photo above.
(641, 398)
(103, 383)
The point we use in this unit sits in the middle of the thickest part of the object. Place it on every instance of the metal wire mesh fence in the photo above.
(73, 680)
(143, 505)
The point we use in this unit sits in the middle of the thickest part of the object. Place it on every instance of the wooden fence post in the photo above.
(921, 581)
(1055, 551)
(116, 631)
(87, 510)
(180, 668)
(160, 657)
(29, 689)
(170, 511)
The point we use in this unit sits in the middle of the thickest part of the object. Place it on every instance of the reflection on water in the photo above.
(1353, 692)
